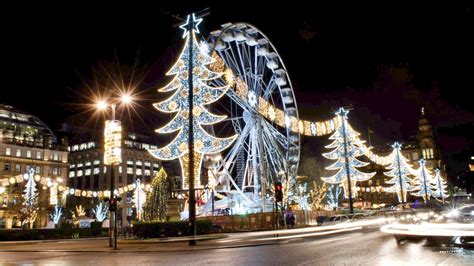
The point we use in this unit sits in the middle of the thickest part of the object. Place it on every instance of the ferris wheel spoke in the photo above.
(270, 88)
(237, 145)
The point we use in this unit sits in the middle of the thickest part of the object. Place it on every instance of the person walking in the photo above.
(292, 220)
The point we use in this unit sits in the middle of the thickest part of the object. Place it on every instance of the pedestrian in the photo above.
(292, 220)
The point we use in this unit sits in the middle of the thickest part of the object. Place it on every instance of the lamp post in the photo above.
(113, 157)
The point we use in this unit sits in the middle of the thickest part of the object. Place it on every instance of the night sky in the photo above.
(387, 60)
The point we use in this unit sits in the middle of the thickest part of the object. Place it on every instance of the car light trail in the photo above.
(429, 229)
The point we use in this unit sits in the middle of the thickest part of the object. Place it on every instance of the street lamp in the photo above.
(113, 157)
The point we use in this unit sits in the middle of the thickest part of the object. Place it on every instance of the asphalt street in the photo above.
(366, 247)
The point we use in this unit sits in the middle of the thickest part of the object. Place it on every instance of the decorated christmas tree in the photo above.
(139, 198)
(440, 186)
(30, 198)
(400, 170)
(423, 182)
(154, 208)
(193, 57)
(346, 148)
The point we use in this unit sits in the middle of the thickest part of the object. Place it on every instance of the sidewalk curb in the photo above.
(141, 251)
(170, 239)
(53, 240)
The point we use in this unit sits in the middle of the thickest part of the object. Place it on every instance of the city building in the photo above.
(87, 171)
(25, 142)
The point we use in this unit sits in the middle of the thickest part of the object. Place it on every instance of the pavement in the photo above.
(175, 244)
(358, 247)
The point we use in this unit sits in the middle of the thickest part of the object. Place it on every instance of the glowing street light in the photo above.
(113, 155)
(126, 98)
(101, 105)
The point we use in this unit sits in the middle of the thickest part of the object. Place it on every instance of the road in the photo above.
(367, 247)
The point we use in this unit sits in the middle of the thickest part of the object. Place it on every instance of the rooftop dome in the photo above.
(23, 128)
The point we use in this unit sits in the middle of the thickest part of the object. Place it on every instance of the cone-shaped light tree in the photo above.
(440, 186)
(154, 208)
(399, 170)
(423, 182)
(30, 198)
(193, 61)
(139, 198)
(346, 147)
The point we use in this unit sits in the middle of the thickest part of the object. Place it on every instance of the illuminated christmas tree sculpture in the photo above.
(440, 186)
(139, 198)
(178, 103)
(30, 196)
(423, 182)
(347, 146)
(400, 170)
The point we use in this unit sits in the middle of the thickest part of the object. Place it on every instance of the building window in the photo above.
(79, 173)
(28, 154)
(18, 167)
(88, 182)
(8, 151)
(130, 161)
(139, 163)
(38, 155)
(147, 164)
(88, 163)
(55, 156)
(414, 156)
(120, 169)
(79, 165)
(96, 171)
(72, 166)
(147, 172)
(38, 170)
(88, 171)
(72, 174)
(139, 171)
(130, 170)
(6, 167)
(105, 169)
(96, 162)
(75, 148)
(428, 153)
(96, 182)
(18, 153)
(156, 165)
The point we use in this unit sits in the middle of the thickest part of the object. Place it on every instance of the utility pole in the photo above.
(192, 197)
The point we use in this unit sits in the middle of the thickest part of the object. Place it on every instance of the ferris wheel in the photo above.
(265, 149)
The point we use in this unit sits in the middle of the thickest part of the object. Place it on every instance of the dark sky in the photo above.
(386, 59)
